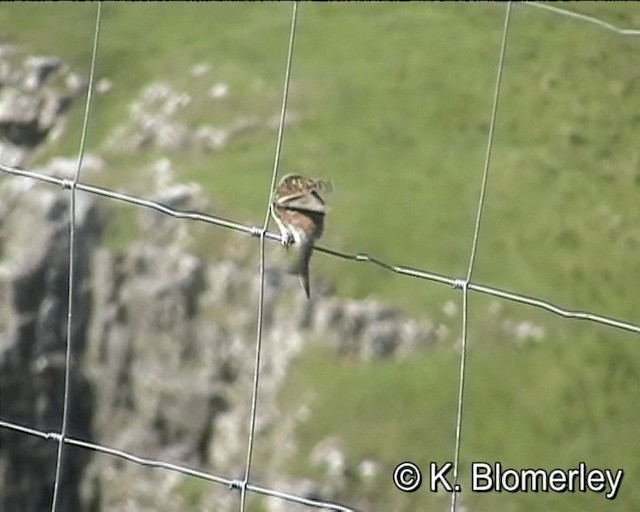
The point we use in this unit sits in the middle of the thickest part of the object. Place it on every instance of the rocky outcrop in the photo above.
(158, 119)
(171, 355)
(163, 351)
(163, 342)
(35, 94)
(34, 291)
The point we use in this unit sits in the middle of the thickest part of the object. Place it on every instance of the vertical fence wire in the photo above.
(260, 320)
(72, 230)
(472, 259)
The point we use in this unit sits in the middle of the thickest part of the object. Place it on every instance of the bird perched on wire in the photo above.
(299, 210)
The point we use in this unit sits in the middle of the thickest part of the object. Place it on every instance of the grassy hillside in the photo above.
(394, 104)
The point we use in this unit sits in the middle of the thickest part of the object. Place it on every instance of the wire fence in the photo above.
(72, 249)
(360, 257)
(472, 260)
(260, 320)
(465, 285)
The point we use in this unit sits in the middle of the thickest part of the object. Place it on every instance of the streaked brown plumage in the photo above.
(299, 210)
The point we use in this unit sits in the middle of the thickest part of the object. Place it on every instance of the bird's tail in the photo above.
(302, 266)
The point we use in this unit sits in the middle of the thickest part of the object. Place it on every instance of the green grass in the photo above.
(550, 404)
(395, 103)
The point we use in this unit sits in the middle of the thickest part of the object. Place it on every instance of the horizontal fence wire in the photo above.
(147, 462)
(359, 257)
(583, 17)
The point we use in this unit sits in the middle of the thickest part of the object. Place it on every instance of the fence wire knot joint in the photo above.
(237, 484)
(67, 184)
(460, 284)
(56, 436)
(257, 231)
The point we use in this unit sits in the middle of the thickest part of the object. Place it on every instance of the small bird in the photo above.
(299, 210)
